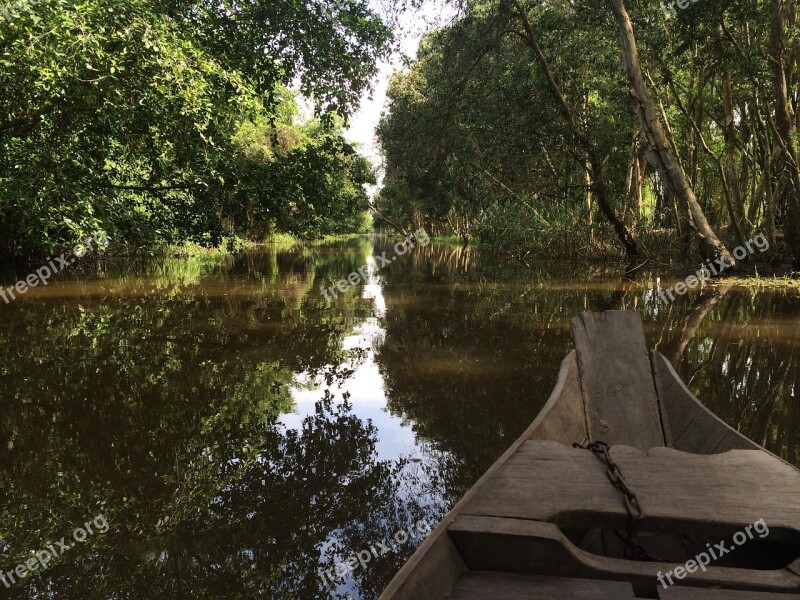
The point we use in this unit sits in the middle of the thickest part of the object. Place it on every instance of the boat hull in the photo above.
(610, 388)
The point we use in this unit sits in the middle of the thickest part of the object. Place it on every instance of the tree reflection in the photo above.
(153, 394)
(161, 412)
(742, 361)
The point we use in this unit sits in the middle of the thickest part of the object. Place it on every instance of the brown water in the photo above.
(238, 434)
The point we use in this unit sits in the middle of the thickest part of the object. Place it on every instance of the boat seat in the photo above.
(519, 519)
(477, 585)
(713, 493)
(687, 593)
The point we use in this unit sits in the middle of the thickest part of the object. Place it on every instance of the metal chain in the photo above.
(602, 450)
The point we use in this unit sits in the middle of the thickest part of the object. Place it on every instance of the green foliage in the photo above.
(148, 120)
(477, 125)
(331, 48)
(306, 182)
(472, 135)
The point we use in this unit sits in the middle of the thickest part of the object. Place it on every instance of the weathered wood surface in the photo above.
(679, 492)
(687, 593)
(613, 390)
(432, 570)
(478, 585)
(524, 546)
(616, 379)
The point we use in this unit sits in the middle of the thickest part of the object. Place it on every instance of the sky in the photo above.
(411, 29)
(363, 124)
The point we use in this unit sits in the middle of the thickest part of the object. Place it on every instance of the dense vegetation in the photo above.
(520, 125)
(168, 121)
(530, 126)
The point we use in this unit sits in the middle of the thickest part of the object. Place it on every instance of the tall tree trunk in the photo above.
(695, 102)
(600, 188)
(634, 181)
(662, 154)
(587, 181)
(640, 170)
(735, 197)
(629, 181)
(786, 128)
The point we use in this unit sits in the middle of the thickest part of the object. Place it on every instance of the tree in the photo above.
(520, 153)
(661, 151)
(122, 115)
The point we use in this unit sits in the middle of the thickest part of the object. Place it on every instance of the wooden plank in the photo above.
(524, 546)
(431, 571)
(617, 380)
(478, 585)
(606, 390)
(715, 495)
(436, 565)
(688, 593)
(693, 427)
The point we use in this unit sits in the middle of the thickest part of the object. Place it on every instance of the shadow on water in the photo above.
(240, 434)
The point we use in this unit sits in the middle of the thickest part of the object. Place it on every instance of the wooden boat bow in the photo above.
(546, 522)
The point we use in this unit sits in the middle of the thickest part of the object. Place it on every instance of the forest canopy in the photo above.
(588, 125)
(539, 125)
(164, 122)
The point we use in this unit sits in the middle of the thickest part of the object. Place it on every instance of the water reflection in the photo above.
(239, 433)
